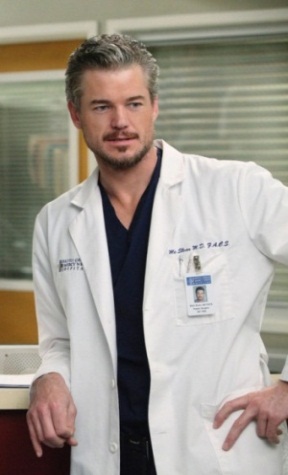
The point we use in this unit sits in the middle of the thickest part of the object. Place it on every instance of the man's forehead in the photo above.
(131, 81)
(123, 70)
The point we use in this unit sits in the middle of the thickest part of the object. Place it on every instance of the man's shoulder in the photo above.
(74, 197)
(206, 164)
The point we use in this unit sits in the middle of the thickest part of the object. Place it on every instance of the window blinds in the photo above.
(229, 100)
(33, 164)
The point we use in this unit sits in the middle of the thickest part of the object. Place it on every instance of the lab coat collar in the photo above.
(172, 172)
(87, 189)
(172, 169)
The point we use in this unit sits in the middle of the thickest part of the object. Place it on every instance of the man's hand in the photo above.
(268, 407)
(52, 413)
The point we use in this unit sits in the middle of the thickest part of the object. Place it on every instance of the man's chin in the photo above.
(124, 163)
(119, 163)
(122, 160)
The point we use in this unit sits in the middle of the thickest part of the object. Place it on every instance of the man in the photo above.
(157, 388)
(200, 294)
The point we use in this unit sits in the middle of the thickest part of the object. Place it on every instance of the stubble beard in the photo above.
(124, 163)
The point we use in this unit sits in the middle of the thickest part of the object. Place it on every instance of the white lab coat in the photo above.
(235, 217)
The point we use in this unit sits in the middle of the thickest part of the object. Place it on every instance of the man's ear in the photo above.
(74, 114)
(155, 108)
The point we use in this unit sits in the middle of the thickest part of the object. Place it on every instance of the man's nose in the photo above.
(119, 118)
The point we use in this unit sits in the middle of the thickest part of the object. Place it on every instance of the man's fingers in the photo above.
(52, 413)
(34, 439)
(54, 441)
(72, 441)
(237, 428)
(228, 408)
(261, 428)
(272, 433)
(44, 430)
(259, 407)
(268, 430)
(64, 421)
(55, 431)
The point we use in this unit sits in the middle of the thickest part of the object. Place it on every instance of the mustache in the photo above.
(120, 135)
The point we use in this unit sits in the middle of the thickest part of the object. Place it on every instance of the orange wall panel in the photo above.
(17, 318)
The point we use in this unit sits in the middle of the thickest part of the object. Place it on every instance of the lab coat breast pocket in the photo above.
(214, 265)
(70, 282)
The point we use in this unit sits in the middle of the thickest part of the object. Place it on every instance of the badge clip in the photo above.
(197, 263)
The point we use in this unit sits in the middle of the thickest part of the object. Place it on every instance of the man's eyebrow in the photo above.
(135, 98)
(99, 101)
(95, 102)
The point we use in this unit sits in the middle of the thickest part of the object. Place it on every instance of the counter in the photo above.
(14, 398)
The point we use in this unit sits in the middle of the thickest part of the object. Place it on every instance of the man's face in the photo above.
(116, 115)
(200, 295)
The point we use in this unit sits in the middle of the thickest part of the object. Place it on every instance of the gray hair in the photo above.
(109, 52)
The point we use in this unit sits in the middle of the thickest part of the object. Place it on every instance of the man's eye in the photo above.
(135, 105)
(100, 108)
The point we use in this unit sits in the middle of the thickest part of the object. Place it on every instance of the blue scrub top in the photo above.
(128, 251)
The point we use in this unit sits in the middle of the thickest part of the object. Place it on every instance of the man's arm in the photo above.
(264, 204)
(268, 407)
(52, 413)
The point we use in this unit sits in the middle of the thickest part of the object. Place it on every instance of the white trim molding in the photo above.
(47, 32)
(207, 25)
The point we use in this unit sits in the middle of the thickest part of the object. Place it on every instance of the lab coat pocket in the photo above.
(250, 455)
(215, 265)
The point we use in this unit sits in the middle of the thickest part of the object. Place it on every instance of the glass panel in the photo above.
(34, 166)
(228, 99)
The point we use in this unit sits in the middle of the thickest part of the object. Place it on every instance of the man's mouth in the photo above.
(120, 137)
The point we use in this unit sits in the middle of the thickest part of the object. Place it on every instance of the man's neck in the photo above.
(125, 187)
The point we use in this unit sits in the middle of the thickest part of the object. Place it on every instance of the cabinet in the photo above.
(17, 456)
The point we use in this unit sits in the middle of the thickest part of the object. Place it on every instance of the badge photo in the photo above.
(199, 295)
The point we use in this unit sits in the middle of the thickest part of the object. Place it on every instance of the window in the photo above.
(34, 167)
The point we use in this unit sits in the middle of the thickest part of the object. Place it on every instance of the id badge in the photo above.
(199, 295)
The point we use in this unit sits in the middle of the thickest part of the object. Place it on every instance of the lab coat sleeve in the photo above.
(264, 203)
(284, 374)
(54, 344)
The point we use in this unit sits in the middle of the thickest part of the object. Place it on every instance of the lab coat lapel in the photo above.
(89, 236)
(166, 209)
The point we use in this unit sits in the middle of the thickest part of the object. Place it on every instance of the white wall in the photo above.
(31, 12)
